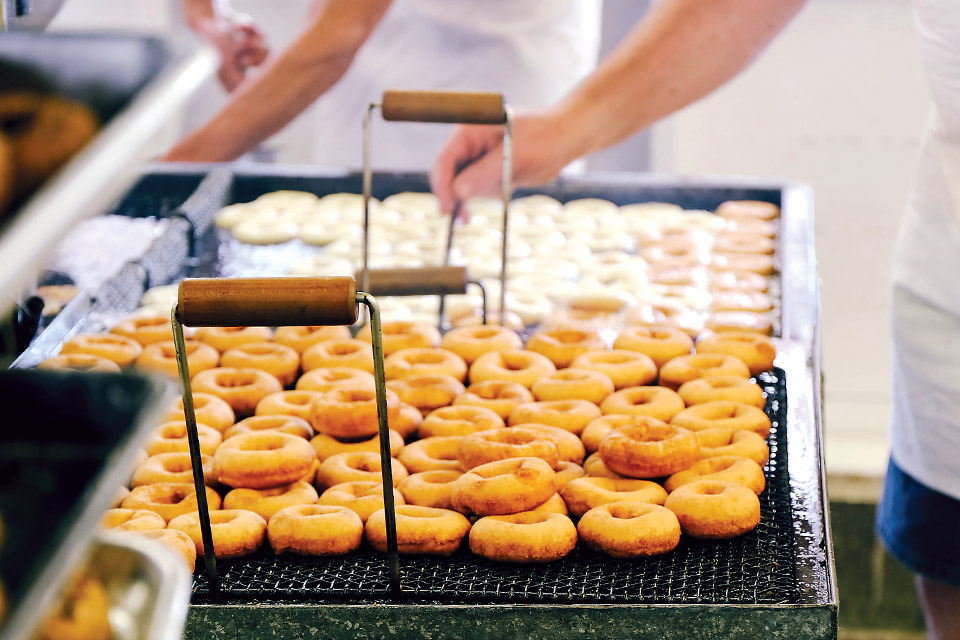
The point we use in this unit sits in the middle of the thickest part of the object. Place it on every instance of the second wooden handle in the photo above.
(422, 281)
(464, 107)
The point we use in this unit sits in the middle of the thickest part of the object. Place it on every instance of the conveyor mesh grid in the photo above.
(757, 568)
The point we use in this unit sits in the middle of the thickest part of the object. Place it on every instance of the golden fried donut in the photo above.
(207, 408)
(726, 442)
(754, 263)
(624, 368)
(350, 354)
(146, 330)
(459, 421)
(302, 338)
(573, 384)
(288, 403)
(325, 379)
(131, 520)
(728, 414)
(714, 388)
(430, 454)
(281, 362)
(499, 396)
(170, 437)
(363, 497)
(756, 209)
(567, 471)
(569, 415)
(171, 467)
(584, 494)
(499, 444)
(685, 368)
(242, 389)
(656, 402)
(649, 449)
(262, 459)
(553, 504)
(661, 344)
(354, 467)
(430, 488)
(118, 349)
(168, 499)
(722, 321)
(743, 242)
(531, 536)
(344, 413)
(727, 468)
(753, 226)
(177, 541)
(522, 367)
(472, 342)
(225, 338)
(315, 530)
(400, 334)
(162, 358)
(595, 468)
(418, 362)
(285, 424)
(569, 446)
(504, 486)
(426, 392)
(738, 281)
(630, 529)
(595, 431)
(563, 344)
(741, 301)
(81, 611)
(713, 509)
(266, 502)
(326, 446)
(420, 530)
(407, 422)
(756, 350)
(235, 532)
(79, 362)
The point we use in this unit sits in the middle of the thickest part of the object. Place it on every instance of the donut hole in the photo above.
(258, 349)
(514, 438)
(528, 517)
(140, 323)
(569, 336)
(174, 432)
(707, 361)
(396, 328)
(344, 349)
(108, 340)
(173, 496)
(485, 333)
(357, 395)
(236, 379)
(640, 400)
(426, 358)
(232, 329)
(711, 490)
(571, 376)
(176, 465)
(625, 511)
(515, 362)
(613, 358)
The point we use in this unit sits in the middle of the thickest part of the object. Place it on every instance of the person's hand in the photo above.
(240, 42)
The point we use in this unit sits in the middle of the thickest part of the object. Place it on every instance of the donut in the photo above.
(400, 334)
(563, 344)
(131, 520)
(171, 437)
(459, 421)
(583, 494)
(430, 488)
(739, 321)
(732, 241)
(420, 530)
(726, 468)
(171, 467)
(417, 362)
(499, 444)
(225, 338)
(624, 368)
(344, 413)
(326, 446)
(656, 402)
(235, 532)
(594, 468)
(79, 362)
(351, 354)
(168, 499)
(315, 530)
(82, 610)
(595, 431)
(472, 342)
(162, 358)
(427, 392)
(713, 509)
(266, 502)
(302, 338)
(569, 415)
(522, 367)
(754, 349)
(146, 330)
(740, 301)
(733, 388)
(207, 408)
(755, 209)
(649, 449)
(569, 447)
(116, 348)
(288, 403)
(685, 368)
(504, 487)
(363, 497)
(430, 454)
(531, 536)
(329, 378)
(407, 422)
(630, 529)
(573, 384)
(177, 541)
(738, 281)
(754, 263)
(726, 442)
(499, 396)
(356, 466)
(567, 471)
(283, 423)
(661, 344)
(281, 362)
(262, 459)
(242, 389)
(553, 504)
(728, 414)
(599, 304)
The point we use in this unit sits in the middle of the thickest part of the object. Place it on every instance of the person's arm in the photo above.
(680, 52)
(236, 37)
(261, 106)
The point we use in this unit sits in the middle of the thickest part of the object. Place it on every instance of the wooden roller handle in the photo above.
(271, 302)
(465, 107)
(425, 281)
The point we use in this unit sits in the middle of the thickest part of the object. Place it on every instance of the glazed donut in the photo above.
(418, 362)
(569, 447)
(660, 344)
(131, 520)
(171, 467)
(738, 281)
(584, 494)
(430, 488)
(407, 422)
(754, 301)
(739, 321)
(420, 530)
(569, 415)
(713, 509)
(315, 530)
(351, 354)
(225, 338)
(742, 242)
(168, 500)
(733, 388)
(207, 408)
(499, 444)
(630, 529)
(726, 468)
(162, 358)
(325, 379)
(262, 459)
(567, 471)
(563, 344)
(472, 342)
(326, 446)
(624, 368)
(354, 467)
(598, 428)
(522, 367)
(302, 338)
(171, 437)
(363, 497)
(283, 423)
(242, 389)
(756, 350)
(649, 449)
(504, 487)
(725, 442)
(728, 414)
(734, 209)
(531, 536)
(685, 368)
(459, 421)
(404, 335)
(116, 348)
(281, 362)
(499, 396)
(177, 541)
(288, 403)
(146, 330)
(236, 532)
(266, 502)
(573, 384)
(427, 392)
(656, 402)
(344, 413)
(79, 362)
(431, 454)
(754, 263)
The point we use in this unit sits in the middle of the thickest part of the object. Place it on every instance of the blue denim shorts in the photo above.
(920, 527)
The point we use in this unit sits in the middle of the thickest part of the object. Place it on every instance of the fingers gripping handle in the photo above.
(463, 107)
